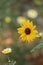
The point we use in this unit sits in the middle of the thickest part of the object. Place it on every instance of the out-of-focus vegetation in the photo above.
(10, 11)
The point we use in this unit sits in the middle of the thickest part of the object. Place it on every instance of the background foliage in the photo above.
(21, 51)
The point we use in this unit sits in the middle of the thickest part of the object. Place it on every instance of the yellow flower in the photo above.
(7, 19)
(27, 31)
(21, 19)
(7, 50)
(32, 13)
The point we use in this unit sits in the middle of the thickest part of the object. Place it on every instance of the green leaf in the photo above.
(37, 47)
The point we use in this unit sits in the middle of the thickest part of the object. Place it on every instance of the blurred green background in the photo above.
(9, 36)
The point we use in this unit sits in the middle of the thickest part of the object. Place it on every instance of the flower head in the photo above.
(27, 31)
(7, 19)
(21, 19)
(7, 50)
(32, 13)
(40, 34)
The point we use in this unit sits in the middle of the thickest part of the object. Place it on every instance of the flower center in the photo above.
(27, 31)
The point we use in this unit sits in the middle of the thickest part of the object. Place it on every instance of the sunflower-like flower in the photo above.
(27, 31)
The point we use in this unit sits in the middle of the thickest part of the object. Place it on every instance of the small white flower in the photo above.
(21, 19)
(40, 34)
(7, 50)
(32, 13)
